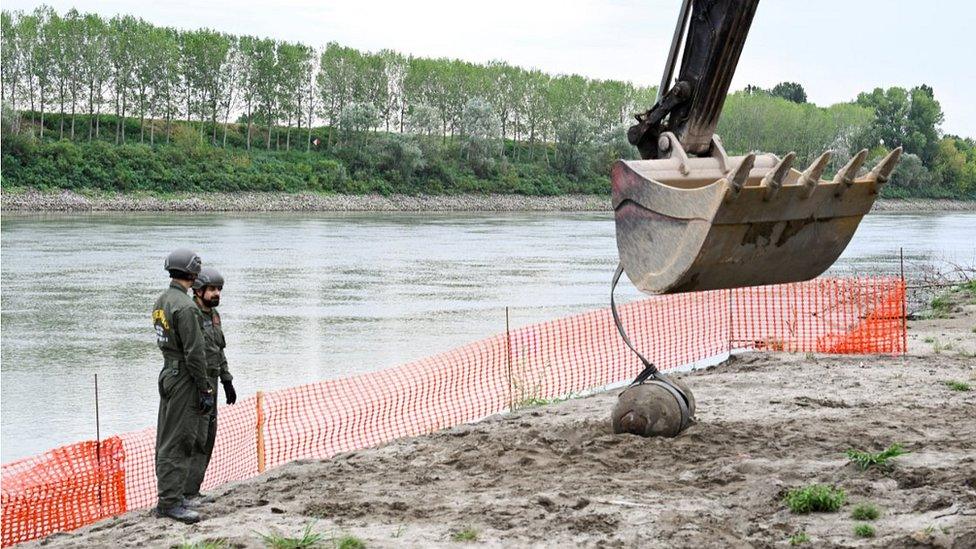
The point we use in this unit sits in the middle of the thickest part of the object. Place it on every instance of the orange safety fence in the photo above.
(840, 315)
(81, 483)
(63, 489)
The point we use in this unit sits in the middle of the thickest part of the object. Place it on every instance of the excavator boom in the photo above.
(690, 217)
(716, 34)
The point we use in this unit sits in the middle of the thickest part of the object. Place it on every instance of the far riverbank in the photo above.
(70, 201)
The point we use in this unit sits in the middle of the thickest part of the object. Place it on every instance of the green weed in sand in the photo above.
(532, 402)
(218, 543)
(308, 539)
(799, 538)
(941, 306)
(865, 511)
(881, 460)
(815, 498)
(969, 287)
(528, 386)
(350, 542)
(958, 385)
(467, 534)
(938, 347)
(864, 531)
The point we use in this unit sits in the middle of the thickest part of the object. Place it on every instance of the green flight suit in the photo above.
(213, 334)
(184, 376)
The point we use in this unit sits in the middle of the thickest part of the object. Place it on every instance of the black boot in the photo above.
(180, 513)
(195, 501)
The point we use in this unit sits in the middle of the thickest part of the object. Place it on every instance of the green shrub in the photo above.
(184, 160)
(187, 157)
(864, 531)
(815, 498)
(958, 385)
(799, 538)
(308, 538)
(881, 460)
(466, 534)
(969, 287)
(168, 168)
(350, 542)
(941, 306)
(865, 511)
(218, 543)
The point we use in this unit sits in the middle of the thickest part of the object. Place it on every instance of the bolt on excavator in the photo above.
(689, 217)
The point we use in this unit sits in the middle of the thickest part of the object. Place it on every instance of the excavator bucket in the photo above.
(704, 223)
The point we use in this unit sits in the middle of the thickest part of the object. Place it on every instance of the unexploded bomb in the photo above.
(651, 409)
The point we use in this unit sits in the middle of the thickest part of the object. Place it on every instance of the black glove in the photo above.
(229, 391)
(206, 402)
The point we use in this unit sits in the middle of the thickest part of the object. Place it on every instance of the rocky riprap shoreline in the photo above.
(69, 201)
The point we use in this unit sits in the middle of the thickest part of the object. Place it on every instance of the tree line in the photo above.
(77, 63)
(401, 119)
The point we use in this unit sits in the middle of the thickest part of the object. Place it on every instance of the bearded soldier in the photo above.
(186, 398)
(206, 294)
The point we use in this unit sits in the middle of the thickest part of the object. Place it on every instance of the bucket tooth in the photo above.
(774, 179)
(845, 177)
(737, 177)
(880, 174)
(718, 153)
(811, 176)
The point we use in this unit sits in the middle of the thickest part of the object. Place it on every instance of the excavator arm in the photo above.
(690, 108)
(690, 217)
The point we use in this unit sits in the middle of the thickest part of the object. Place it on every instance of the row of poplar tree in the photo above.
(74, 73)
(82, 64)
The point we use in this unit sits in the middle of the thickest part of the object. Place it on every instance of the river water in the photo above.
(311, 296)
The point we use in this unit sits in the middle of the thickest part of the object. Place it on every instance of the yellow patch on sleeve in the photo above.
(159, 317)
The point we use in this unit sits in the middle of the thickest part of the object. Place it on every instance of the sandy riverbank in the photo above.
(69, 201)
(555, 476)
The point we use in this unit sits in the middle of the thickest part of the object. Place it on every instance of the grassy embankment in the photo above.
(185, 160)
(344, 164)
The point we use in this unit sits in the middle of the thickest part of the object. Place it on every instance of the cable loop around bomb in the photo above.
(650, 375)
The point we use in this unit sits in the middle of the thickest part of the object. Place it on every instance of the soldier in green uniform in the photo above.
(206, 294)
(185, 396)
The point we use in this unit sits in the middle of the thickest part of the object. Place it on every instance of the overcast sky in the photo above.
(834, 48)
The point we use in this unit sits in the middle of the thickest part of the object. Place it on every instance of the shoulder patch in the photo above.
(159, 317)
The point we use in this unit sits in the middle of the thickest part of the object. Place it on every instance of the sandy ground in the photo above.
(555, 475)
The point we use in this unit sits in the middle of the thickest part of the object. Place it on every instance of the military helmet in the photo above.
(184, 261)
(208, 277)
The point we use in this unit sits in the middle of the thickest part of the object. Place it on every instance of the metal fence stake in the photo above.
(260, 431)
(904, 304)
(98, 449)
(508, 354)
